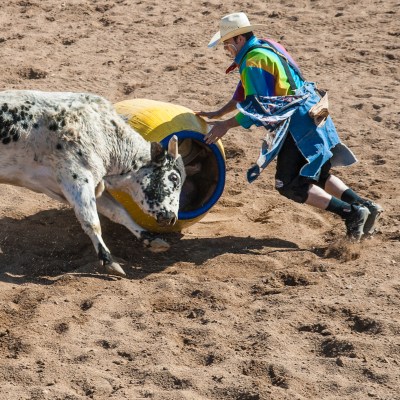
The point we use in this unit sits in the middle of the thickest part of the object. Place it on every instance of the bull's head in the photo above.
(158, 184)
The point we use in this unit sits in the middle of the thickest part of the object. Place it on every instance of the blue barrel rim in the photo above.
(187, 134)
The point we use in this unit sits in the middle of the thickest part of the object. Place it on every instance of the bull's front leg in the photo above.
(108, 206)
(79, 190)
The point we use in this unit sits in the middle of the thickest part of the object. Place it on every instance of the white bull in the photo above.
(74, 147)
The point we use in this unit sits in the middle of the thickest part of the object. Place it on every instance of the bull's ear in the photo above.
(157, 152)
(173, 147)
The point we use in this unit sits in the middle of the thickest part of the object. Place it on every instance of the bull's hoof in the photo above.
(115, 269)
(154, 244)
(158, 245)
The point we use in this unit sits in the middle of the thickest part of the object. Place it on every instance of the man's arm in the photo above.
(227, 108)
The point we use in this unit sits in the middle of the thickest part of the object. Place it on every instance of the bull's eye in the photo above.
(174, 178)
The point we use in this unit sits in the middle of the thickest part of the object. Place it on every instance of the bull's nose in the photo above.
(166, 218)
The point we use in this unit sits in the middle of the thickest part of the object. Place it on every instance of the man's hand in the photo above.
(208, 114)
(218, 130)
(226, 109)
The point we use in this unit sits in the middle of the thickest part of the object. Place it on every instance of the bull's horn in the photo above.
(173, 147)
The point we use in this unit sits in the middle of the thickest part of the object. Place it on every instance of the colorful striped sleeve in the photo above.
(262, 74)
(239, 93)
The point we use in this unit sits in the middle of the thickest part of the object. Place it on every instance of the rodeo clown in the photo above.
(273, 93)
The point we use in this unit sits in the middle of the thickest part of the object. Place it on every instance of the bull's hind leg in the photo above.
(79, 190)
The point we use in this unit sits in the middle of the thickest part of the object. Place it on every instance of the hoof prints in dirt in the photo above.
(366, 325)
(276, 374)
(211, 359)
(294, 280)
(375, 377)
(363, 325)
(168, 381)
(106, 344)
(196, 313)
(63, 327)
(334, 348)
(276, 284)
(86, 305)
(12, 344)
(233, 152)
(126, 355)
(32, 73)
(315, 328)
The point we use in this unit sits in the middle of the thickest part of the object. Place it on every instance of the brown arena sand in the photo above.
(259, 300)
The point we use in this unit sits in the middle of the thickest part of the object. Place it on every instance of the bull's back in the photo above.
(46, 113)
(38, 128)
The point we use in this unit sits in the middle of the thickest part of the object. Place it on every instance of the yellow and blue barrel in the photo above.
(158, 121)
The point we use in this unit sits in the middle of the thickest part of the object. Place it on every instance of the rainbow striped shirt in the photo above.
(262, 74)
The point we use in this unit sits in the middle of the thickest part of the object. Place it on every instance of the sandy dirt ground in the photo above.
(261, 299)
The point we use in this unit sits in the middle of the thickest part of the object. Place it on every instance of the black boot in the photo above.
(375, 211)
(355, 221)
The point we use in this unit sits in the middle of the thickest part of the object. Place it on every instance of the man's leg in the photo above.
(300, 189)
(355, 216)
(339, 189)
(319, 196)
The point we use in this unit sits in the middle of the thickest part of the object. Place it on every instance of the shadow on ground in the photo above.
(52, 242)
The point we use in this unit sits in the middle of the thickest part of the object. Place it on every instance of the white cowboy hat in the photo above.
(232, 25)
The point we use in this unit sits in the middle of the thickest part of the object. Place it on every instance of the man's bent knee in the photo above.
(295, 190)
(322, 180)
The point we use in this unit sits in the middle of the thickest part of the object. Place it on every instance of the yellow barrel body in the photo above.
(156, 121)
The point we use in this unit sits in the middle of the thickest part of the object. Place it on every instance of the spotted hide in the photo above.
(74, 147)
